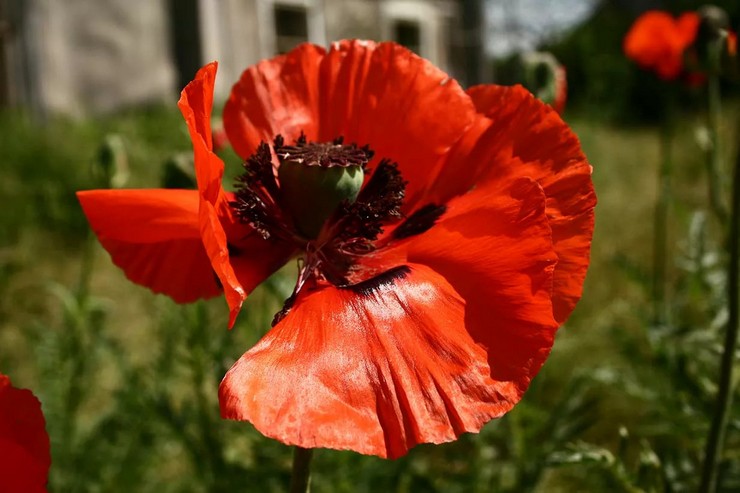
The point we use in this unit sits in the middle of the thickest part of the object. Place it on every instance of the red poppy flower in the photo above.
(443, 236)
(24, 444)
(657, 41)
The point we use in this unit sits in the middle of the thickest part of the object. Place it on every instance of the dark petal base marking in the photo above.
(420, 221)
(364, 288)
(289, 302)
(389, 277)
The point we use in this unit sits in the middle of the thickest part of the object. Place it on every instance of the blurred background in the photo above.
(128, 380)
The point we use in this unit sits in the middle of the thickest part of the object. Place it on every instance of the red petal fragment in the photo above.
(400, 104)
(24, 444)
(494, 247)
(277, 96)
(376, 369)
(153, 236)
(196, 102)
(518, 136)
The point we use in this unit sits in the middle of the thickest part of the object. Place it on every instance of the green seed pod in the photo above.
(312, 192)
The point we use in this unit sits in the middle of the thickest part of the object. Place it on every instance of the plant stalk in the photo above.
(714, 104)
(300, 480)
(718, 429)
(660, 238)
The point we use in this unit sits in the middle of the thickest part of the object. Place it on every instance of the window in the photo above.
(284, 24)
(291, 27)
(408, 34)
(417, 25)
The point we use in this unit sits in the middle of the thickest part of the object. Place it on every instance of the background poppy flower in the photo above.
(220, 140)
(428, 300)
(24, 445)
(657, 41)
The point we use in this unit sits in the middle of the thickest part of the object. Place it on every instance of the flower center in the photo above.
(318, 202)
(316, 178)
(327, 202)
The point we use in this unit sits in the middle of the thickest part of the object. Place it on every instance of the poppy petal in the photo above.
(276, 96)
(153, 235)
(518, 136)
(502, 267)
(360, 90)
(24, 444)
(404, 107)
(377, 368)
(196, 102)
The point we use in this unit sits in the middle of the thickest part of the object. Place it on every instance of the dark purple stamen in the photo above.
(256, 192)
(324, 155)
(378, 203)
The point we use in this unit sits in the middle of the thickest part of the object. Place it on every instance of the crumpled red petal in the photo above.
(196, 103)
(502, 267)
(516, 136)
(276, 96)
(376, 369)
(153, 235)
(360, 90)
(400, 104)
(24, 444)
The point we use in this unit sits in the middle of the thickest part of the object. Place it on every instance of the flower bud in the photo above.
(545, 77)
(113, 162)
(714, 40)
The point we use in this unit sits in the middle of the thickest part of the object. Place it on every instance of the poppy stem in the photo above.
(300, 480)
(718, 430)
(714, 103)
(660, 239)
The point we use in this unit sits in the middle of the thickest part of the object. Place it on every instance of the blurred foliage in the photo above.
(602, 81)
(42, 165)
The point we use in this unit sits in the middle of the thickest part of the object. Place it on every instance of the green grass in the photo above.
(128, 380)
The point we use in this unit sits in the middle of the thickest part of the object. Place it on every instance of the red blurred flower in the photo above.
(657, 41)
(220, 140)
(424, 308)
(731, 43)
(24, 444)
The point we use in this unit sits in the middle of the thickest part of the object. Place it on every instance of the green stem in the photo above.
(718, 430)
(300, 480)
(660, 240)
(713, 152)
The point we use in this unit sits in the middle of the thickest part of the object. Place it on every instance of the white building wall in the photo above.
(98, 55)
